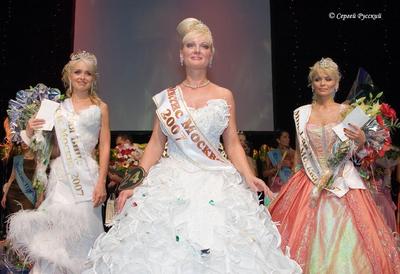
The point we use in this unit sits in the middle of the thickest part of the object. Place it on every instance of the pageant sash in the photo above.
(275, 156)
(342, 184)
(73, 155)
(310, 163)
(181, 128)
(22, 180)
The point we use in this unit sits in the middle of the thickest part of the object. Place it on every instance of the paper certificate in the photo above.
(356, 117)
(47, 112)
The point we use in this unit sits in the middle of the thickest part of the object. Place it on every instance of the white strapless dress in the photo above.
(185, 219)
(59, 234)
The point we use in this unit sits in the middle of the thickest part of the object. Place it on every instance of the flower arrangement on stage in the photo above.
(20, 110)
(377, 130)
(123, 157)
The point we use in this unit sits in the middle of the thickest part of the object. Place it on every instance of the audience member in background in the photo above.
(6, 169)
(18, 192)
(248, 151)
(279, 162)
(381, 187)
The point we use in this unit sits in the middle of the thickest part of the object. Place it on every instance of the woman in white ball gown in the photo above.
(59, 234)
(195, 212)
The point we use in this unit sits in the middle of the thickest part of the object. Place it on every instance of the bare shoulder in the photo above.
(224, 93)
(103, 107)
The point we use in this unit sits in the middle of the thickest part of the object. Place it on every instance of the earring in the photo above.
(181, 60)
(91, 88)
(70, 86)
(210, 63)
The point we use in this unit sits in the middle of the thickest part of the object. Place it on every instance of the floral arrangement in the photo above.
(20, 110)
(377, 130)
(125, 156)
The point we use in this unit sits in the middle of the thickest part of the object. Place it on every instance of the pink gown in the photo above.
(337, 235)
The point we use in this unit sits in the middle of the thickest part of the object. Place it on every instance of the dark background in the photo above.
(36, 38)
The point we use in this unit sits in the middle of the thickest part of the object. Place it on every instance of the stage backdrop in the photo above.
(138, 54)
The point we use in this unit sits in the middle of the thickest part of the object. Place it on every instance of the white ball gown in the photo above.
(187, 219)
(59, 234)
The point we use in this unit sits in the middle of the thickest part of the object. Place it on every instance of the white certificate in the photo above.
(356, 117)
(47, 112)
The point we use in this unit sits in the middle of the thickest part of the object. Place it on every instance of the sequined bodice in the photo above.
(211, 119)
(321, 139)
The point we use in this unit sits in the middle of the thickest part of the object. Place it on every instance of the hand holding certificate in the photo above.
(47, 112)
(356, 117)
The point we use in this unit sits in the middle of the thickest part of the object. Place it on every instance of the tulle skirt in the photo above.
(335, 235)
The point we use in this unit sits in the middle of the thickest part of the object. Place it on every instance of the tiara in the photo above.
(81, 55)
(324, 63)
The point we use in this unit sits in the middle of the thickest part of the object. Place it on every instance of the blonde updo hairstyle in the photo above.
(88, 58)
(326, 65)
(192, 27)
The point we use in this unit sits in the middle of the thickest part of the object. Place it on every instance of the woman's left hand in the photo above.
(99, 194)
(258, 185)
(356, 134)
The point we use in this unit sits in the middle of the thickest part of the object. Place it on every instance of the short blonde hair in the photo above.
(326, 65)
(190, 27)
(88, 58)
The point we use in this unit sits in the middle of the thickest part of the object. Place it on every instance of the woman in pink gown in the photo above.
(335, 230)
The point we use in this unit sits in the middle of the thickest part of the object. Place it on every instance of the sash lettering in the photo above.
(176, 119)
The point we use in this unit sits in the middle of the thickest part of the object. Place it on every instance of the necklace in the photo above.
(195, 86)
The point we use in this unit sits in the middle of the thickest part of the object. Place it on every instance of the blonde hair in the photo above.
(190, 27)
(88, 58)
(326, 65)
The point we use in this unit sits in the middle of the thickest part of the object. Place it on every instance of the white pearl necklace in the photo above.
(195, 86)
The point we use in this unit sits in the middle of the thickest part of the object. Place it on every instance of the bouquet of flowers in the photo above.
(20, 110)
(377, 132)
(13, 262)
(123, 157)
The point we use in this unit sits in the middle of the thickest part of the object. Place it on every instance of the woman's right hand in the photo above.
(34, 124)
(122, 197)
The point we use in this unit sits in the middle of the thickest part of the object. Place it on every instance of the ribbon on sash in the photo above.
(275, 156)
(73, 154)
(181, 128)
(24, 183)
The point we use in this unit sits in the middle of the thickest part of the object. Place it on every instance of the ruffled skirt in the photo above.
(187, 220)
